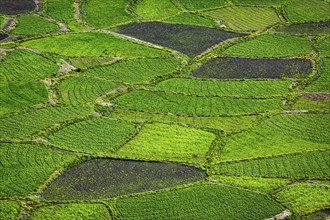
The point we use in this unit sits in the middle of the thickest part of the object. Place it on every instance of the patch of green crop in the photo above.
(310, 28)
(324, 46)
(79, 89)
(160, 102)
(92, 44)
(106, 13)
(18, 95)
(33, 25)
(246, 88)
(321, 84)
(299, 11)
(258, 2)
(243, 18)
(154, 9)
(107, 178)
(305, 197)
(168, 142)
(271, 46)
(25, 124)
(9, 209)
(72, 211)
(20, 65)
(307, 103)
(62, 10)
(281, 134)
(24, 167)
(89, 62)
(311, 165)
(202, 4)
(190, 18)
(228, 124)
(96, 135)
(199, 202)
(136, 70)
(252, 183)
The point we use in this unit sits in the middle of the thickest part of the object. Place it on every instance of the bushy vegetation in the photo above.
(277, 46)
(154, 9)
(169, 142)
(106, 178)
(25, 124)
(33, 25)
(244, 18)
(9, 209)
(92, 44)
(135, 70)
(199, 202)
(72, 211)
(24, 167)
(305, 198)
(25, 65)
(79, 90)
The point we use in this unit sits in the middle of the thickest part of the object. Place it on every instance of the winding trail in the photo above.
(281, 215)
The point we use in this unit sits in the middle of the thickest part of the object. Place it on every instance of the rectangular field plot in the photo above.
(191, 18)
(23, 125)
(246, 88)
(228, 124)
(279, 135)
(25, 166)
(260, 2)
(299, 11)
(312, 197)
(154, 9)
(9, 7)
(309, 165)
(106, 13)
(135, 70)
(169, 142)
(202, 4)
(245, 18)
(25, 65)
(312, 28)
(92, 44)
(62, 10)
(277, 46)
(199, 202)
(249, 68)
(157, 102)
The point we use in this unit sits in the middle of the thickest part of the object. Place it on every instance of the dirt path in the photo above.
(294, 111)
(39, 6)
(65, 68)
(77, 11)
(280, 216)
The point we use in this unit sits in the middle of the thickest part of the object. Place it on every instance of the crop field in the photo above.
(249, 68)
(187, 39)
(106, 178)
(164, 109)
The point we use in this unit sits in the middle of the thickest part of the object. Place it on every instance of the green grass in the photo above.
(9, 209)
(199, 202)
(24, 167)
(106, 13)
(305, 198)
(190, 18)
(299, 11)
(193, 105)
(321, 84)
(154, 9)
(246, 88)
(26, 124)
(324, 47)
(277, 46)
(96, 135)
(108, 178)
(228, 124)
(79, 89)
(18, 95)
(2, 21)
(136, 70)
(62, 10)
(33, 25)
(89, 62)
(202, 4)
(258, 2)
(266, 185)
(243, 18)
(310, 165)
(92, 44)
(72, 211)
(25, 65)
(280, 134)
(168, 142)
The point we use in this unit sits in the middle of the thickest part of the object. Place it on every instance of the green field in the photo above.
(164, 109)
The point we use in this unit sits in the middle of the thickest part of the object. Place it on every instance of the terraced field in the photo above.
(171, 109)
